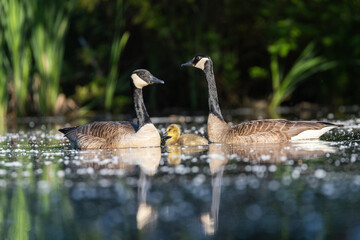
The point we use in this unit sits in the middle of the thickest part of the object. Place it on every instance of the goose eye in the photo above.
(198, 58)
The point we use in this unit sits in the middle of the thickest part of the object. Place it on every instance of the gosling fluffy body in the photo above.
(173, 131)
(257, 131)
(111, 134)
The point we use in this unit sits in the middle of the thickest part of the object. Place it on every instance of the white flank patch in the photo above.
(311, 134)
(201, 64)
(138, 82)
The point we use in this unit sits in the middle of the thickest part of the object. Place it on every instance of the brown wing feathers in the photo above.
(86, 141)
(94, 134)
(277, 130)
(104, 129)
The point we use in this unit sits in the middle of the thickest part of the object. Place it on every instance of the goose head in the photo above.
(198, 61)
(142, 78)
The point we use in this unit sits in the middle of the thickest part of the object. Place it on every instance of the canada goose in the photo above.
(114, 134)
(269, 130)
(173, 131)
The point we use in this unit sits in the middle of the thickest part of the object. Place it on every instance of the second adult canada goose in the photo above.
(113, 134)
(173, 131)
(269, 130)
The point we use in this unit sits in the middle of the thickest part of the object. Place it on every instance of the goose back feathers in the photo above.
(262, 131)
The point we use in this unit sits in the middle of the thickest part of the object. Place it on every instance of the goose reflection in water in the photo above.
(276, 153)
(176, 153)
(219, 155)
(125, 160)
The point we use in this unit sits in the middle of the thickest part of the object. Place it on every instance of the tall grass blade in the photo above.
(51, 20)
(275, 72)
(13, 18)
(118, 45)
(116, 50)
(3, 82)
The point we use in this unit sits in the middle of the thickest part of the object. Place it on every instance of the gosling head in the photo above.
(142, 78)
(173, 130)
(173, 133)
(198, 61)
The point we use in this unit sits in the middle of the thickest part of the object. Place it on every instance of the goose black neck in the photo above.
(141, 112)
(214, 107)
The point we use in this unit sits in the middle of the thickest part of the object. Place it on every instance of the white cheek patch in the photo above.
(201, 64)
(138, 82)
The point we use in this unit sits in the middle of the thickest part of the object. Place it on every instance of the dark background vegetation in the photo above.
(241, 37)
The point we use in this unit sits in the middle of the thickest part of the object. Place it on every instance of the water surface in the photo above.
(298, 190)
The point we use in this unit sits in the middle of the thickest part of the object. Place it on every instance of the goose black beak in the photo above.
(188, 64)
(155, 80)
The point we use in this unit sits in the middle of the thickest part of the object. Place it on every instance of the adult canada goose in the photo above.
(269, 130)
(113, 134)
(173, 131)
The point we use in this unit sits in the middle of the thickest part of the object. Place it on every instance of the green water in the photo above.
(302, 190)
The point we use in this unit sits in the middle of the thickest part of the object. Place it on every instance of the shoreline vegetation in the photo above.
(64, 57)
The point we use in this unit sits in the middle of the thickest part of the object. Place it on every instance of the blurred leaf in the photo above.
(258, 72)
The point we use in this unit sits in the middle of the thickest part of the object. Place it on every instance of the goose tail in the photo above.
(67, 130)
(332, 124)
(315, 133)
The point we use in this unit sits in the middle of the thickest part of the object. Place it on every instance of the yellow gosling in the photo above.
(173, 131)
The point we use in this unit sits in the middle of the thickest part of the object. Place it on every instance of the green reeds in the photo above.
(3, 81)
(4, 96)
(306, 65)
(13, 15)
(51, 20)
(117, 48)
(118, 45)
(45, 23)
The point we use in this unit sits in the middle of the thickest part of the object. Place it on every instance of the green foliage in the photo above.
(116, 50)
(253, 44)
(3, 81)
(51, 20)
(306, 65)
(258, 72)
(118, 45)
(46, 23)
(13, 16)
